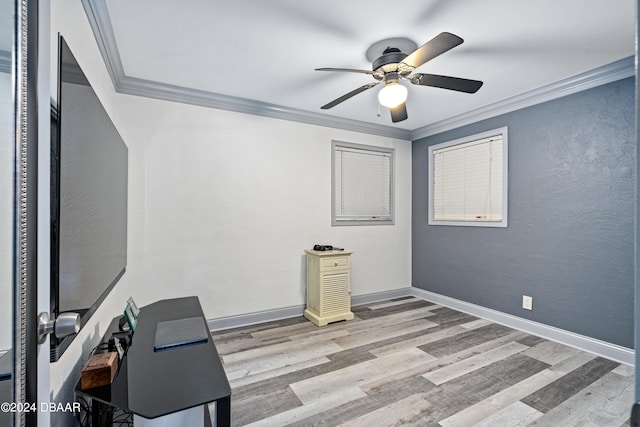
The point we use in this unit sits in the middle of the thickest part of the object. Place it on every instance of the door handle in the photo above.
(65, 324)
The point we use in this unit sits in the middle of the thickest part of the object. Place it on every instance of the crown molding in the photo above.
(609, 73)
(5, 61)
(100, 22)
(167, 92)
(98, 16)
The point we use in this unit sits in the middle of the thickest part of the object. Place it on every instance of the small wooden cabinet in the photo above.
(328, 286)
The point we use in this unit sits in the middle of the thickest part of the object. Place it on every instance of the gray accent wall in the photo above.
(570, 239)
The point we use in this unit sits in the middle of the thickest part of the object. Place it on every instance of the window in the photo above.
(468, 181)
(362, 191)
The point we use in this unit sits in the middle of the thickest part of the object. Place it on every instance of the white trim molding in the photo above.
(381, 296)
(238, 321)
(163, 91)
(100, 22)
(609, 73)
(601, 348)
(241, 320)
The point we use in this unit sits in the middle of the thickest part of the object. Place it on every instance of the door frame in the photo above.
(635, 411)
(26, 69)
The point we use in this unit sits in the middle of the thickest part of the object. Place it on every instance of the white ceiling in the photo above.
(267, 51)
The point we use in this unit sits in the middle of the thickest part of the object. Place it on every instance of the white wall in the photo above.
(222, 206)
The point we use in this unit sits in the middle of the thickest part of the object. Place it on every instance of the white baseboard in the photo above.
(601, 348)
(237, 321)
(380, 296)
(230, 322)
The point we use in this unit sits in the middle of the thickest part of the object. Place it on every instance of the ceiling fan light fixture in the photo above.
(392, 94)
(396, 64)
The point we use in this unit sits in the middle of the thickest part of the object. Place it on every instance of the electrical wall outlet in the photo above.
(527, 302)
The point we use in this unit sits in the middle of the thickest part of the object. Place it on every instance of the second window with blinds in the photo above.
(468, 181)
(362, 187)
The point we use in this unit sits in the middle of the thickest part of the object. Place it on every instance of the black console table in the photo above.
(155, 384)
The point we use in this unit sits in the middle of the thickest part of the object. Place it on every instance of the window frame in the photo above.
(505, 173)
(335, 218)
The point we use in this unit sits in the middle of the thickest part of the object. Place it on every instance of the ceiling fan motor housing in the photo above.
(389, 60)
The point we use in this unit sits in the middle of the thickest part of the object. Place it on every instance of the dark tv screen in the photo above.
(89, 198)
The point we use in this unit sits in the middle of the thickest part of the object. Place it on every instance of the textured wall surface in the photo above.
(569, 242)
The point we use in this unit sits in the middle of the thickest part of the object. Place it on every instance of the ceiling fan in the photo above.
(393, 66)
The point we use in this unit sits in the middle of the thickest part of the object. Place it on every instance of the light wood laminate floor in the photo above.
(408, 362)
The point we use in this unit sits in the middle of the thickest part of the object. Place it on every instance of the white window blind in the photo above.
(468, 181)
(362, 184)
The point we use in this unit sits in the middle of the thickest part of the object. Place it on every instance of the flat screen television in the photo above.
(89, 165)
